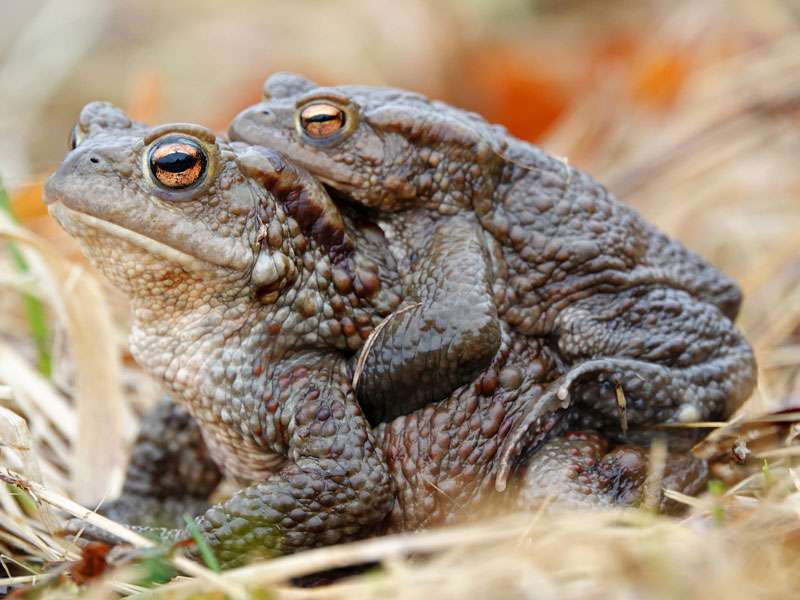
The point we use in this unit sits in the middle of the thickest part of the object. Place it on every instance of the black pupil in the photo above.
(177, 162)
(322, 118)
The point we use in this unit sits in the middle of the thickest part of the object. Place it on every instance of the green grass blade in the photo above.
(203, 548)
(34, 309)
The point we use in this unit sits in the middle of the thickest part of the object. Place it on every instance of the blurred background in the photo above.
(688, 110)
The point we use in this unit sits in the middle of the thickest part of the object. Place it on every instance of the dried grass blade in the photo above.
(40, 492)
(14, 434)
(98, 458)
(374, 550)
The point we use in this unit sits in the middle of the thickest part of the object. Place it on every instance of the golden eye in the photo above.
(177, 162)
(321, 120)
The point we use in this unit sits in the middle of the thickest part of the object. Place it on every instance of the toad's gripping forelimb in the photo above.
(445, 338)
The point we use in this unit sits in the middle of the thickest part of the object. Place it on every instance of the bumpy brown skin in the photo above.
(585, 472)
(250, 294)
(170, 472)
(238, 307)
(448, 334)
(248, 300)
(631, 314)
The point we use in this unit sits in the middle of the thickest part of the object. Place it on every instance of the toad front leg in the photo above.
(333, 485)
(447, 335)
(643, 356)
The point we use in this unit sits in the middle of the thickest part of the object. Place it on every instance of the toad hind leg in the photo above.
(445, 339)
(663, 355)
(170, 472)
(578, 469)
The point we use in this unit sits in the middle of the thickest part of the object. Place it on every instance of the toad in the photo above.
(251, 291)
(642, 327)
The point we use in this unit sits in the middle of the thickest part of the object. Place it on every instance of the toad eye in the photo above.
(321, 120)
(177, 162)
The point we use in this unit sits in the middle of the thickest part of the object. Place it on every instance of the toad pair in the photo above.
(486, 296)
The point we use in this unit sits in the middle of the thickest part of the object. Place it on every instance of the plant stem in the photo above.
(34, 309)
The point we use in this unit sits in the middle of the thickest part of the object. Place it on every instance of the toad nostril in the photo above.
(266, 112)
(94, 160)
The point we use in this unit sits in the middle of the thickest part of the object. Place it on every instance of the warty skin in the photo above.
(537, 247)
(251, 295)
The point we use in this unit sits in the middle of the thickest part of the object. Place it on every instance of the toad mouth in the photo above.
(68, 217)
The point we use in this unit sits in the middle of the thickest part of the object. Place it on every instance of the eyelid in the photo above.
(327, 95)
(198, 131)
(351, 110)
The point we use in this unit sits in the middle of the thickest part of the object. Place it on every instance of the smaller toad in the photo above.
(491, 230)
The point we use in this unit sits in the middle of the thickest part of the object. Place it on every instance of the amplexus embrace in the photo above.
(372, 310)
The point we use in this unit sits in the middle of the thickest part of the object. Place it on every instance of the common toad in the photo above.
(634, 318)
(251, 291)
(246, 298)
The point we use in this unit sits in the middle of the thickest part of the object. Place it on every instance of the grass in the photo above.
(206, 553)
(34, 309)
(716, 490)
(715, 167)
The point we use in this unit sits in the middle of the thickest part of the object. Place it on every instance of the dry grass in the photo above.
(715, 166)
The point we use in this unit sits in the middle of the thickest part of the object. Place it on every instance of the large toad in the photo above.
(251, 294)
(640, 325)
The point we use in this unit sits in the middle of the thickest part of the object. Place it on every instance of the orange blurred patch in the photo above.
(92, 563)
(30, 210)
(616, 46)
(26, 201)
(515, 90)
(658, 76)
(241, 96)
